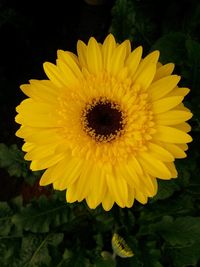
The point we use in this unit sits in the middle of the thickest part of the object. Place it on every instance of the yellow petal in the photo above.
(173, 117)
(131, 196)
(172, 168)
(163, 86)
(159, 65)
(27, 89)
(71, 193)
(108, 48)
(182, 107)
(127, 44)
(43, 91)
(160, 153)
(184, 147)
(142, 198)
(47, 178)
(163, 71)
(46, 162)
(175, 150)
(57, 172)
(54, 74)
(145, 78)
(155, 185)
(71, 62)
(122, 75)
(141, 182)
(151, 185)
(94, 57)
(128, 172)
(117, 60)
(118, 189)
(154, 166)
(24, 131)
(28, 147)
(74, 57)
(40, 152)
(133, 60)
(107, 201)
(183, 127)
(35, 114)
(151, 58)
(97, 179)
(82, 53)
(172, 135)
(84, 181)
(178, 91)
(136, 165)
(40, 136)
(73, 169)
(165, 104)
(29, 105)
(70, 77)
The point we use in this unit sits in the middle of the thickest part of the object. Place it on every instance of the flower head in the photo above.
(105, 124)
(120, 248)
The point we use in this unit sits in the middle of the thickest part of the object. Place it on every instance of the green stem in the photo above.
(36, 251)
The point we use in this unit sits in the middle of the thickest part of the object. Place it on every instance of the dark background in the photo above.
(30, 33)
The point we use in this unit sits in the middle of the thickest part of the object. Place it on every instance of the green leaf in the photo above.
(129, 262)
(124, 12)
(186, 256)
(34, 251)
(105, 263)
(104, 222)
(154, 212)
(126, 218)
(136, 22)
(9, 250)
(172, 48)
(67, 255)
(5, 219)
(71, 259)
(107, 260)
(12, 159)
(166, 189)
(54, 239)
(39, 216)
(182, 231)
(151, 255)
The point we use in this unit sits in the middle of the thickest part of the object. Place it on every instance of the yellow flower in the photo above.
(120, 247)
(106, 124)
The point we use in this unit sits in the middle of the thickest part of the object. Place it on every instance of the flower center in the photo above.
(103, 120)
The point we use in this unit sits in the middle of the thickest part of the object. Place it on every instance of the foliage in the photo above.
(12, 159)
(43, 230)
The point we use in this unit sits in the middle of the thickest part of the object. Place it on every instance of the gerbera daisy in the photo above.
(120, 247)
(105, 124)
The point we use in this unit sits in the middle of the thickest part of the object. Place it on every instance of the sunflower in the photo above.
(105, 124)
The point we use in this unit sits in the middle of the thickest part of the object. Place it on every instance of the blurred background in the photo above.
(165, 232)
